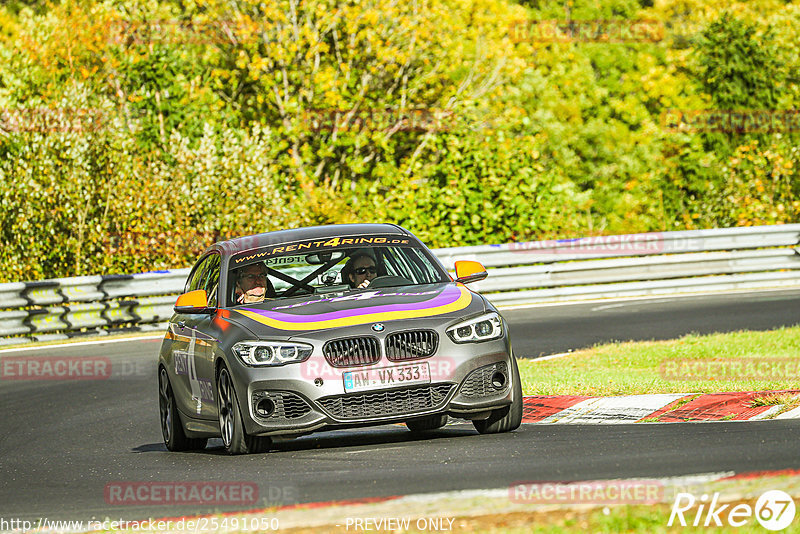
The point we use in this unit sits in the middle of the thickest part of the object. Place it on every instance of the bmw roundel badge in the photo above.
(378, 327)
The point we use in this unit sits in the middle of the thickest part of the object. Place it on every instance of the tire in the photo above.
(171, 427)
(507, 418)
(431, 422)
(231, 427)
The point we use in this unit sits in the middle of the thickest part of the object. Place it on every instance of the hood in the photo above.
(319, 312)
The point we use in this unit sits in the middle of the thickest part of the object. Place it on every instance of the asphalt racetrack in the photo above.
(542, 330)
(63, 444)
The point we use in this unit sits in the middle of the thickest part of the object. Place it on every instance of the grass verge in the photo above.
(495, 512)
(738, 361)
(776, 399)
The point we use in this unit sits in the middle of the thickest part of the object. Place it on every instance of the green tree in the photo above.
(739, 67)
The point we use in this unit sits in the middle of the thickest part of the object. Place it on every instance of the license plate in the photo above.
(387, 377)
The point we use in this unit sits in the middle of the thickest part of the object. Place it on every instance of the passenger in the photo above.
(252, 284)
(359, 270)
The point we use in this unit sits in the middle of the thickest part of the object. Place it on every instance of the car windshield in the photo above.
(331, 270)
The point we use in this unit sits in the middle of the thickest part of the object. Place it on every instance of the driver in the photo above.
(360, 270)
(252, 284)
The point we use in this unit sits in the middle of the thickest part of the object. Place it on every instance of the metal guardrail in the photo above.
(91, 288)
(95, 303)
(648, 244)
(519, 273)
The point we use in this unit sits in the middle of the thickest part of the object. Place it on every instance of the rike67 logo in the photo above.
(774, 510)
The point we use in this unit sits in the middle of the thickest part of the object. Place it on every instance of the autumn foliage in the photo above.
(135, 133)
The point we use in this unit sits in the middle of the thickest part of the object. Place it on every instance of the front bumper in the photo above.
(292, 400)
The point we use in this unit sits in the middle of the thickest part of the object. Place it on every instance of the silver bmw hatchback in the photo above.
(289, 332)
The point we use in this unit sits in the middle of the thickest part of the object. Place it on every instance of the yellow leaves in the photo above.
(242, 61)
(371, 17)
(259, 63)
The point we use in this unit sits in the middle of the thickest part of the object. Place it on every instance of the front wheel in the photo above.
(231, 427)
(507, 418)
(171, 428)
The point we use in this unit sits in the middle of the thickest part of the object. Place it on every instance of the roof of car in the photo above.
(240, 244)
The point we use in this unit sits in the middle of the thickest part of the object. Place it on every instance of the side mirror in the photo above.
(470, 271)
(193, 302)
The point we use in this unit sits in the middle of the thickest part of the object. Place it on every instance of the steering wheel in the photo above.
(389, 281)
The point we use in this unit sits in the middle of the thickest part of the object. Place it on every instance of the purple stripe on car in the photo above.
(448, 296)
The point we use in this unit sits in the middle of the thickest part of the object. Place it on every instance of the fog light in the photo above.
(498, 380)
(265, 407)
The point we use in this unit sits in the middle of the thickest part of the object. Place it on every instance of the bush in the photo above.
(133, 134)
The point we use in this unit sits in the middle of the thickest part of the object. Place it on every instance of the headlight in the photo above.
(483, 328)
(271, 352)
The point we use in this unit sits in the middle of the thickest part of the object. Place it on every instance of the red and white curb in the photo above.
(657, 408)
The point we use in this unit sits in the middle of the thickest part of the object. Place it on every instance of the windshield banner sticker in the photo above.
(323, 244)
